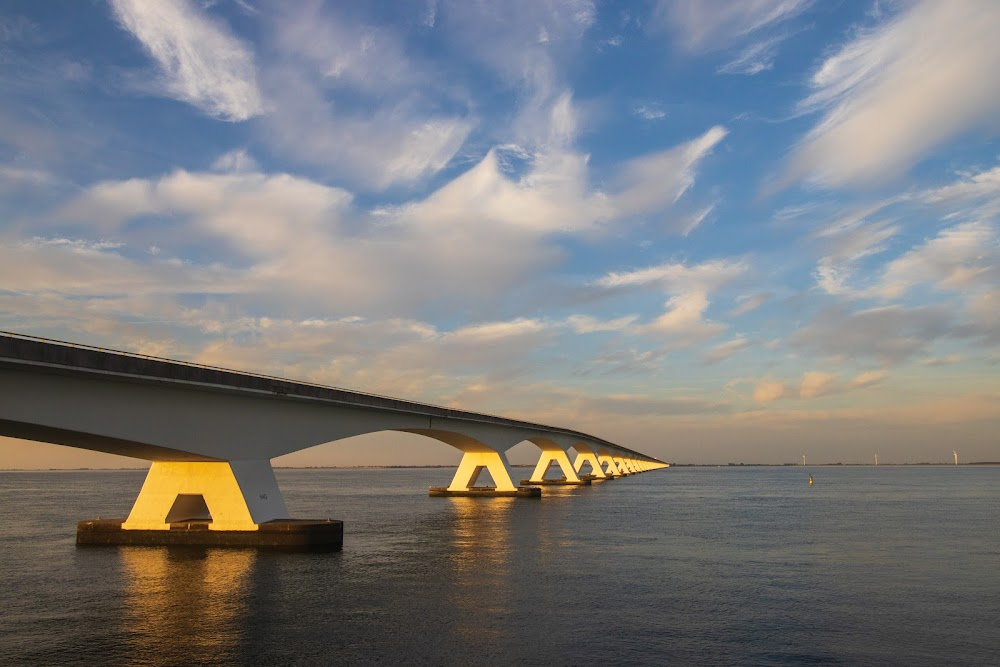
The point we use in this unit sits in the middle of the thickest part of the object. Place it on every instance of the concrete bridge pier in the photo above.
(212, 503)
(587, 456)
(229, 495)
(608, 464)
(557, 453)
(478, 456)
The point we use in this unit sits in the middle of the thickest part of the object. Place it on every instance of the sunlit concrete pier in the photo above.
(211, 433)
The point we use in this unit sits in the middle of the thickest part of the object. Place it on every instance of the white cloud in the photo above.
(941, 361)
(584, 324)
(238, 161)
(707, 276)
(649, 111)
(351, 100)
(816, 383)
(639, 405)
(892, 94)
(694, 221)
(683, 320)
(345, 53)
(200, 61)
(662, 178)
(754, 59)
(749, 303)
(705, 25)
(766, 391)
(960, 259)
(971, 186)
(87, 268)
(391, 143)
(889, 334)
(868, 378)
(847, 246)
(555, 193)
(18, 177)
(527, 45)
(493, 332)
(726, 350)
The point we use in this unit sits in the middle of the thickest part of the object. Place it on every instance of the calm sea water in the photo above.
(707, 566)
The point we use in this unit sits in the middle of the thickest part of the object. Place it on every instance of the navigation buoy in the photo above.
(810, 480)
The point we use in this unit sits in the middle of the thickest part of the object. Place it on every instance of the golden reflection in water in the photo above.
(185, 605)
(552, 533)
(481, 561)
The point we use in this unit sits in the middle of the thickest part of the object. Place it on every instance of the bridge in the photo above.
(211, 433)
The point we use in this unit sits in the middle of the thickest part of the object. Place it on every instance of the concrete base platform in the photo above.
(488, 492)
(557, 482)
(304, 534)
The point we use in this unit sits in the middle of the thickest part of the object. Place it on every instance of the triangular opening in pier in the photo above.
(189, 507)
(481, 478)
(553, 471)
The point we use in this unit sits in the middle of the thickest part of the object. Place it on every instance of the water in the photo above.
(710, 566)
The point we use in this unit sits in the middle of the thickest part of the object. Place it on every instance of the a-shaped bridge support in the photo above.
(585, 458)
(554, 453)
(472, 466)
(224, 503)
(236, 495)
(607, 462)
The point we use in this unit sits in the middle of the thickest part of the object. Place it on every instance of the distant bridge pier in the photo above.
(478, 454)
(608, 464)
(587, 456)
(554, 452)
(622, 465)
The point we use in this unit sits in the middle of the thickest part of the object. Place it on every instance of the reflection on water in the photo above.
(481, 563)
(552, 534)
(193, 594)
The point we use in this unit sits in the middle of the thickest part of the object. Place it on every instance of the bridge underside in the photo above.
(96, 443)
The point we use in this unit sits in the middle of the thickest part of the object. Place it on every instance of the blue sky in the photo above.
(711, 231)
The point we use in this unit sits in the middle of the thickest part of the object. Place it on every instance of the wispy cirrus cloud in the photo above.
(200, 61)
(894, 92)
(725, 350)
(963, 258)
(754, 59)
(750, 302)
(649, 111)
(352, 102)
(704, 25)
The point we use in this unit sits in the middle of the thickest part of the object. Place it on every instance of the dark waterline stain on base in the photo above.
(324, 534)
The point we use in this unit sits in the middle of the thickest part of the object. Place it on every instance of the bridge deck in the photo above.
(59, 356)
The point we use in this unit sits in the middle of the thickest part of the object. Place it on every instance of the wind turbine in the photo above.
(803, 458)
(956, 456)
(876, 457)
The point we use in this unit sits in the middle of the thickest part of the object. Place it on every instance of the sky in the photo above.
(708, 231)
